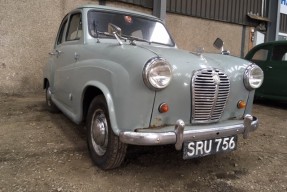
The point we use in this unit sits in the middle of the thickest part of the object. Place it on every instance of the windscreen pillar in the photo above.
(159, 9)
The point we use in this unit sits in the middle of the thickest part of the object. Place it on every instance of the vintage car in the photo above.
(272, 58)
(121, 73)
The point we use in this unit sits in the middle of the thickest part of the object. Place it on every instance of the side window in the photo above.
(75, 28)
(260, 55)
(279, 53)
(61, 33)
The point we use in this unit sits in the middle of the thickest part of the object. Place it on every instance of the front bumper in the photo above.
(179, 135)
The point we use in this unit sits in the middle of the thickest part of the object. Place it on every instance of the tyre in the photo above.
(49, 103)
(106, 149)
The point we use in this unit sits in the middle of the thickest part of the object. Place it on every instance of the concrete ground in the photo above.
(40, 151)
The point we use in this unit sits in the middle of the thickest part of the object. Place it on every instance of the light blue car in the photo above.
(121, 73)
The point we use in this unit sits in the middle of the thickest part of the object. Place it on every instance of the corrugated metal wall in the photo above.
(143, 3)
(233, 11)
(283, 23)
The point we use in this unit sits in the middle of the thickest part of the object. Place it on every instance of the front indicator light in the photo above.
(241, 104)
(163, 108)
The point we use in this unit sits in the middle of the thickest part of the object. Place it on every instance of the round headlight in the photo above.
(157, 73)
(253, 77)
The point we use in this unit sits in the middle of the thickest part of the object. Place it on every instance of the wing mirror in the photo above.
(218, 44)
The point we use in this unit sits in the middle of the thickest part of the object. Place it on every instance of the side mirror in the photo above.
(114, 29)
(218, 43)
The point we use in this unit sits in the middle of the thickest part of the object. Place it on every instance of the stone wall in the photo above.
(28, 29)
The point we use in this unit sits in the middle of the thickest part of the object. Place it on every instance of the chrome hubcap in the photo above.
(99, 132)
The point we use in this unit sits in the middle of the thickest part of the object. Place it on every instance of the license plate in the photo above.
(194, 149)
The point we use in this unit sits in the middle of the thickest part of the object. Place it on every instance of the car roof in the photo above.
(259, 46)
(283, 42)
(117, 10)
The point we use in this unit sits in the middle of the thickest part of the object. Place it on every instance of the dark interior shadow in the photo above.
(271, 103)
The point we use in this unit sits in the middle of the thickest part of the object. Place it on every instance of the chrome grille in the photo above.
(210, 91)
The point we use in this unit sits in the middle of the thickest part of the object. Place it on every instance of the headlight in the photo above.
(157, 73)
(253, 77)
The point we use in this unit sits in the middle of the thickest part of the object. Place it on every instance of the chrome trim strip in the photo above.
(215, 97)
(141, 138)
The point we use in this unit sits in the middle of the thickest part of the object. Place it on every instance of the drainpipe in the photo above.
(243, 39)
(274, 16)
(159, 9)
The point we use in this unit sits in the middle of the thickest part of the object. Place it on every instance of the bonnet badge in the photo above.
(216, 78)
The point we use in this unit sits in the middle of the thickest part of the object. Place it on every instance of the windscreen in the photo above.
(150, 30)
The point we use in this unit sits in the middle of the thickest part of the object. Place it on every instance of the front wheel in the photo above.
(106, 149)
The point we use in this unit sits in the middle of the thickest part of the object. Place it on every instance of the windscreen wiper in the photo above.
(132, 39)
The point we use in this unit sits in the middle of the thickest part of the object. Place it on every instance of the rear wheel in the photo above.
(106, 149)
(49, 103)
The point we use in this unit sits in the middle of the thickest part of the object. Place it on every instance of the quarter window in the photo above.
(279, 53)
(260, 55)
(75, 28)
(60, 36)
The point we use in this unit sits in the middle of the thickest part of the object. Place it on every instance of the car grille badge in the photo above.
(216, 78)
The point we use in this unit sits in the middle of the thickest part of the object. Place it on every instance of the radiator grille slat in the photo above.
(210, 91)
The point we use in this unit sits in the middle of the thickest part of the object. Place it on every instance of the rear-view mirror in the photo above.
(113, 28)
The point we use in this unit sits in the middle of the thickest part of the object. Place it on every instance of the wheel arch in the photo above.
(89, 94)
(45, 83)
(93, 89)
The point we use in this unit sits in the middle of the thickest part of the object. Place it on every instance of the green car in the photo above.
(272, 58)
(121, 74)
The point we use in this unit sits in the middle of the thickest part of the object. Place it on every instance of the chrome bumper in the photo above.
(178, 136)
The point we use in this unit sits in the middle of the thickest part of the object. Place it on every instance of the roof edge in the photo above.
(116, 9)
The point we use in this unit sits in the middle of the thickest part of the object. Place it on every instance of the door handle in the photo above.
(269, 67)
(76, 56)
(57, 52)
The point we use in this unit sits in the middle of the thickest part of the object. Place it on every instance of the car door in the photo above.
(275, 72)
(54, 55)
(65, 58)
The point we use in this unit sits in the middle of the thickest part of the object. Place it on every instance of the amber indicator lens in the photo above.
(163, 108)
(241, 104)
